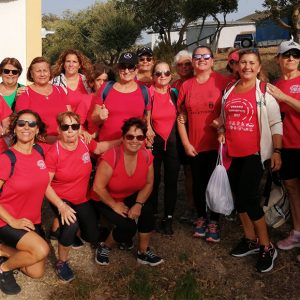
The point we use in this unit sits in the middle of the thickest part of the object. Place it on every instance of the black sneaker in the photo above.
(77, 244)
(166, 226)
(149, 258)
(102, 253)
(126, 246)
(245, 247)
(64, 272)
(8, 284)
(267, 255)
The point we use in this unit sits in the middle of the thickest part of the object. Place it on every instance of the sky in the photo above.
(245, 7)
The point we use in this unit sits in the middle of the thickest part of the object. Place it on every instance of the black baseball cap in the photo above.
(128, 58)
(144, 51)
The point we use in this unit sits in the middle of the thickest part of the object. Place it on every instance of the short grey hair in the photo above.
(180, 54)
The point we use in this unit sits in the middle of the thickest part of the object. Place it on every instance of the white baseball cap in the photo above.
(286, 46)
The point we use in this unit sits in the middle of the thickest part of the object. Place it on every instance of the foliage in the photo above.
(101, 32)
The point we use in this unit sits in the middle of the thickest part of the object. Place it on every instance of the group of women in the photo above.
(85, 113)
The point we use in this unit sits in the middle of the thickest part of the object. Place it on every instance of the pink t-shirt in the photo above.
(242, 130)
(121, 185)
(163, 114)
(22, 194)
(5, 112)
(291, 120)
(121, 106)
(48, 107)
(72, 170)
(202, 102)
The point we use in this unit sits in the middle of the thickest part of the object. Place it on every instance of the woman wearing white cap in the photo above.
(287, 93)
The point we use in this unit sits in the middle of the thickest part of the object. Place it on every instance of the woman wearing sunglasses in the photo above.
(72, 71)
(253, 132)
(23, 189)
(145, 66)
(10, 70)
(287, 93)
(43, 97)
(69, 165)
(200, 99)
(165, 146)
(124, 181)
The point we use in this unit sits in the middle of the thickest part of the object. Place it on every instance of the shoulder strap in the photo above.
(13, 159)
(174, 96)
(145, 95)
(39, 149)
(106, 89)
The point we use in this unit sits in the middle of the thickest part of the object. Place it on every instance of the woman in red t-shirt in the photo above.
(124, 181)
(69, 165)
(200, 99)
(287, 94)
(165, 146)
(253, 129)
(43, 97)
(23, 186)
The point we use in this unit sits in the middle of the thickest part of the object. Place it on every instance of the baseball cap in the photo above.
(128, 58)
(286, 46)
(144, 51)
(233, 56)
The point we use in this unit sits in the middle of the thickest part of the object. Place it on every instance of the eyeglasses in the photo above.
(233, 62)
(22, 123)
(186, 64)
(204, 56)
(65, 127)
(131, 68)
(131, 137)
(148, 59)
(289, 54)
(8, 71)
(160, 73)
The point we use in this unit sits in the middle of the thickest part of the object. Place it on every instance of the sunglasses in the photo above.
(186, 64)
(22, 123)
(289, 54)
(8, 71)
(148, 59)
(65, 127)
(204, 56)
(160, 73)
(131, 68)
(130, 137)
(233, 62)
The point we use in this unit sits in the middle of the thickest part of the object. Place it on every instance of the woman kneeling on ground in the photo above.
(23, 186)
(124, 181)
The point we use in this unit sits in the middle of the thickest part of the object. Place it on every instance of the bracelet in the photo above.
(277, 150)
(140, 203)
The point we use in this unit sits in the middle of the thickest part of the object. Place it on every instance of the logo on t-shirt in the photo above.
(295, 89)
(85, 158)
(41, 164)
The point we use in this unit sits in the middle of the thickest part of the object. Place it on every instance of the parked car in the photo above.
(245, 40)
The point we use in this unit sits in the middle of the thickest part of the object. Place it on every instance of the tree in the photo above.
(101, 32)
(278, 9)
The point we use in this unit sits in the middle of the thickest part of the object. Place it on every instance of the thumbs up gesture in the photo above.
(103, 114)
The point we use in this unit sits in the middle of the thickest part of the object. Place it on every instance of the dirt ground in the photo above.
(193, 269)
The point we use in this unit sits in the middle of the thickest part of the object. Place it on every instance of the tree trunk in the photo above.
(296, 22)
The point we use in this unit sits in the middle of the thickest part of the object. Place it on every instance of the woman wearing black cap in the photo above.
(145, 66)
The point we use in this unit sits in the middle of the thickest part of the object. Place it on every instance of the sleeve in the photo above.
(92, 146)
(5, 110)
(274, 116)
(98, 97)
(181, 98)
(5, 167)
(51, 159)
(23, 102)
(109, 156)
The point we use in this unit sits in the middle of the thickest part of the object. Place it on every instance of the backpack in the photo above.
(12, 157)
(110, 84)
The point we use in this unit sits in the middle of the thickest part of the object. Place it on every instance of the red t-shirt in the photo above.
(291, 120)
(202, 102)
(241, 124)
(121, 106)
(23, 192)
(121, 185)
(5, 112)
(47, 107)
(72, 170)
(163, 114)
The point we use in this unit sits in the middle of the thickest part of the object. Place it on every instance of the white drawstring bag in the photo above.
(218, 192)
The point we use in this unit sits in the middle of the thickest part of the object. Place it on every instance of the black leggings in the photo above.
(124, 229)
(202, 166)
(245, 174)
(170, 159)
(87, 222)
